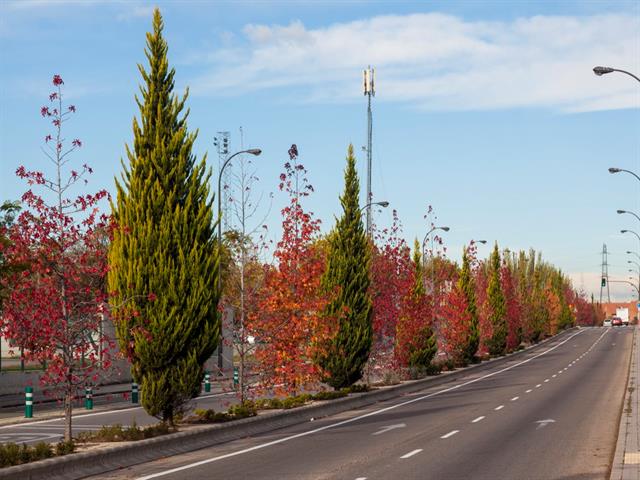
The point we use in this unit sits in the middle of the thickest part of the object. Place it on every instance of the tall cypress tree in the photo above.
(468, 288)
(163, 257)
(497, 305)
(347, 276)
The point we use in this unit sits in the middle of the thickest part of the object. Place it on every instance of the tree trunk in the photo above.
(68, 410)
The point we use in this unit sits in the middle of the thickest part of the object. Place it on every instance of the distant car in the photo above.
(607, 322)
(616, 322)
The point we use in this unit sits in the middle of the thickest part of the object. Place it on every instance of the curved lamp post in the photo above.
(383, 204)
(252, 151)
(599, 71)
(424, 240)
(620, 212)
(616, 170)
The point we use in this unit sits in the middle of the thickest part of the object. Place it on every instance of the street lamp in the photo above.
(616, 170)
(252, 151)
(383, 204)
(599, 71)
(444, 229)
(627, 211)
(630, 231)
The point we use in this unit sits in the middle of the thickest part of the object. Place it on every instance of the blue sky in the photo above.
(488, 111)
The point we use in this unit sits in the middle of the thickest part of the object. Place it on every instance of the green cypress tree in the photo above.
(468, 288)
(497, 305)
(347, 278)
(163, 257)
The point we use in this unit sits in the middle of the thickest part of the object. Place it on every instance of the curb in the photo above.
(80, 465)
(626, 460)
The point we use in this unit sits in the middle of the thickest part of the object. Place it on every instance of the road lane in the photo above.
(351, 450)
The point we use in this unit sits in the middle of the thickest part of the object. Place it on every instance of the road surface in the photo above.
(551, 414)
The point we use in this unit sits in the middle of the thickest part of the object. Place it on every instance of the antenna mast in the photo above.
(369, 91)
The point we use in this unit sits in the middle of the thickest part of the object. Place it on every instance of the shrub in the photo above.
(41, 450)
(359, 388)
(64, 448)
(328, 395)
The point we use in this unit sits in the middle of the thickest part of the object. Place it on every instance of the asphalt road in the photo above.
(551, 414)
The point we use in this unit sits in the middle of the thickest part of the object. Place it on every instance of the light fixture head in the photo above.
(602, 70)
(384, 204)
(624, 231)
(446, 229)
(254, 151)
(613, 170)
(621, 211)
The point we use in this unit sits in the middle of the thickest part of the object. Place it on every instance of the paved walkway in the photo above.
(626, 463)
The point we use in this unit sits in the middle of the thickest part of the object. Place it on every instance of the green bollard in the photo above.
(236, 378)
(28, 402)
(88, 398)
(207, 382)
(134, 393)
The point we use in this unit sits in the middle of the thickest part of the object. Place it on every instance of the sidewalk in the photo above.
(626, 462)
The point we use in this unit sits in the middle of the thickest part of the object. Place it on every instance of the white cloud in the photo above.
(437, 61)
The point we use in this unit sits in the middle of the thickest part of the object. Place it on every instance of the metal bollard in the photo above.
(134, 393)
(28, 402)
(207, 382)
(88, 398)
(236, 377)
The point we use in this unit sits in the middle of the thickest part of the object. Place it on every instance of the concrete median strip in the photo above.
(80, 465)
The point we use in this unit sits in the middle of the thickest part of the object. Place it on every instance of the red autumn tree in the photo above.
(390, 281)
(289, 324)
(455, 325)
(55, 308)
(416, 342)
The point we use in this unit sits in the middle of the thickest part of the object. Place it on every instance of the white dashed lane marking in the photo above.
(411, 454)
(476, 420)
(450, 434)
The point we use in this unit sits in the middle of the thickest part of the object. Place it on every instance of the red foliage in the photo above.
(55, 307)
(289, 324)
(390, 281)
(455, 325)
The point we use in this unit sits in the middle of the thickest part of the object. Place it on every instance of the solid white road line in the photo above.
(499, 407)
(476, 420)
(354, 419)
(411, 454)
(450, 434)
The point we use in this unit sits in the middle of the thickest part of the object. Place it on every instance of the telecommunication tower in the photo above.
(369, 90)
(221, 141)
(604, 277)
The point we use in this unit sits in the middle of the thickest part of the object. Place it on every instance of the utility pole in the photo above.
(369, 91)
(604, 277)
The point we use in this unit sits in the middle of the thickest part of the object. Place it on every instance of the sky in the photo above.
(486, 110)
